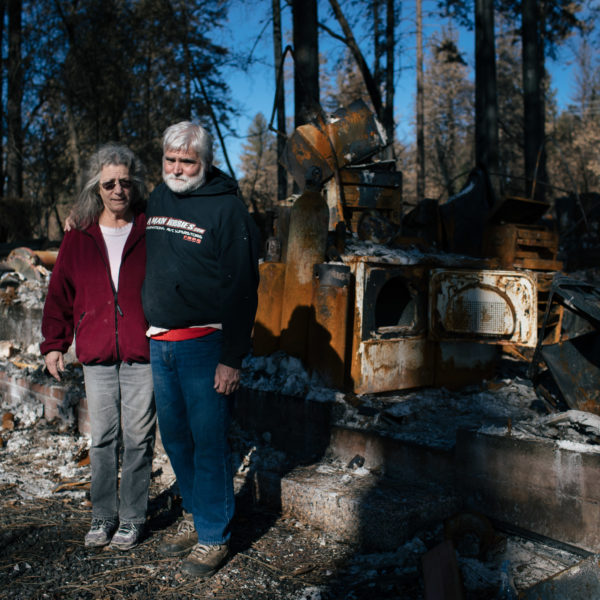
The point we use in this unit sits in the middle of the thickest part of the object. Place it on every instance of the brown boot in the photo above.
(203, 561)
(183, 541)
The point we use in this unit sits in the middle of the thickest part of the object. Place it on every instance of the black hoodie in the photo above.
(202, 262)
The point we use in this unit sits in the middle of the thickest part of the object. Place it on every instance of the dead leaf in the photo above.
(69, 485)
(8, 421)
(23, 365)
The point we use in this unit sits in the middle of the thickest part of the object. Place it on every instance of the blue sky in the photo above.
(253, 90)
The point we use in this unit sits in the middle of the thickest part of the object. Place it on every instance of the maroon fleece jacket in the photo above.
(108, 326)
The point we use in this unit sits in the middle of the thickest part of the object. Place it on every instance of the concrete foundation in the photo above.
(403, 486)
(372, 512)
(534, 484)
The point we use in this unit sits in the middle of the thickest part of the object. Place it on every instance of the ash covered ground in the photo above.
(45, 509)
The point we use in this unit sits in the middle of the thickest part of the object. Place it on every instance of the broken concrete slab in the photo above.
(580, 582)
(547, 487)
(362, 508)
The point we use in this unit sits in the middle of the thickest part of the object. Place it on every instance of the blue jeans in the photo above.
(194, 423)
(120, 394)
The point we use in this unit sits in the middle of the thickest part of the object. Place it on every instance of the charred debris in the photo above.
(439, 357)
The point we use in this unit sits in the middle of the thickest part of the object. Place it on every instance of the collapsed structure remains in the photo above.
(377, 306)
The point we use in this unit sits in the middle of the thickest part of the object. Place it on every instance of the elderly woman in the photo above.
(94, 296)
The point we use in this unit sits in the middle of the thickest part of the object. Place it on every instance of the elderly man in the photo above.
(200, 297)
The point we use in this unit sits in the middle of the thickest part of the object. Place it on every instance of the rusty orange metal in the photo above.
(463, 363)
(523, 246)
(267, 325)
(306, 247)
(572, 362)
(384, 356)
(492, 306)
(47, 257)
(349, 135)
(328, 343)
(368, 187)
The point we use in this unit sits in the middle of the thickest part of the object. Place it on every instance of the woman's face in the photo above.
(115, 191)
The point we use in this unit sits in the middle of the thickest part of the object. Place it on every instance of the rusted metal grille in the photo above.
(485, 318)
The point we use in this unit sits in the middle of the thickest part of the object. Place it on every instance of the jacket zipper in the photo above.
(79, 323)
(118, 310)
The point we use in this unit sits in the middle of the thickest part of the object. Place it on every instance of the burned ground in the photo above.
(45, 511)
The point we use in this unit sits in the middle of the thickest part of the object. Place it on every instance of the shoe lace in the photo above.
(127, 528)
(201, 550)
(102, 523)
(186, 526)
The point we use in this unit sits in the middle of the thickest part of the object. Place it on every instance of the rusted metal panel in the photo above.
(463, 363)
(356, 133)
(573, 362)
(368, 187)
(328, 343)
(553, 323)
(492, 306)
(305, 248)
(267, 326)
(522, 246)
(398, 364)
(306, 148)
(349, 135)
(390, 349)
(575, 366)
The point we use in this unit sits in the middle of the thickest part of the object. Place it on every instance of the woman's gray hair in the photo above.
(89, 205)
(190, 136)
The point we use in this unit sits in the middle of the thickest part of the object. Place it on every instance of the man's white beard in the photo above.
(183, 183)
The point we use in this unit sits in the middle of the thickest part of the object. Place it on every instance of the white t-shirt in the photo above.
(115, 238)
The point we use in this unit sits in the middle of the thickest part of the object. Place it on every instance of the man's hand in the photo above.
(69, 224)
(54, 363)
(227, 379)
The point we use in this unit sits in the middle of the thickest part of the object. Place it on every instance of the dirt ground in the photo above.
(273, 556)
(45, 512)
(42, 556)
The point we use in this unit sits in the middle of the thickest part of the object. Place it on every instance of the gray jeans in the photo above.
(120, 397)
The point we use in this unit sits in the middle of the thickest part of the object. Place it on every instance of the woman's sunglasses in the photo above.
(110, 185)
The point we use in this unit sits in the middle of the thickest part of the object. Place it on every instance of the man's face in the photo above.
(183, 171)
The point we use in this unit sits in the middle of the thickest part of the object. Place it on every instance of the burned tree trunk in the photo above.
(306, 53)
(390, 44)
(533, 95)
(14, 134)
(279, 100)
(486, 99)
(420, 109)
(372, 88)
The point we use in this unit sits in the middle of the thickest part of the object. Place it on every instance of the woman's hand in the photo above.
(55, 363)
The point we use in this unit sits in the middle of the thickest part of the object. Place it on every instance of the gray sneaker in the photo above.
(203, 561)
(128, 536)
(100, 533)
(183, 541)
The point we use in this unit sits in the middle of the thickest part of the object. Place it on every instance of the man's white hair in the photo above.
(190, 136)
